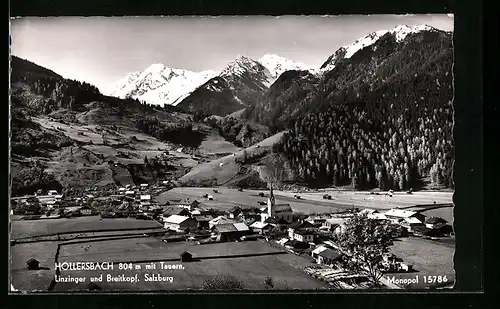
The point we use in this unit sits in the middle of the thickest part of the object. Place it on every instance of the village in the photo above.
(313, 237)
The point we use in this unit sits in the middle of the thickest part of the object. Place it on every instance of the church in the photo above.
(277, 211)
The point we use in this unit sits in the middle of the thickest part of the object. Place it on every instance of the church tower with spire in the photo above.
(271, 202)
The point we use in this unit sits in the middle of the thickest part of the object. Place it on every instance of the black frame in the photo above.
(468, 134)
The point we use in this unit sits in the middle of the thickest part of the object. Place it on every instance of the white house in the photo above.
(130, 193)
(179, 223)
(303, 235)
(334, 225)
(397, 215)
(435, 222)
(144, 186)
(52, 192)
(260, 227)
(317, 251)
(145, 198)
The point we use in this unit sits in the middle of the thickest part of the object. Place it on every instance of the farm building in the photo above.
(180, 223)
(316, 220)
(169, 211)
(234, 212)
(188, 204)
(32, 264)
(410, 223)
(435, 222)
(292, 228)
(203, 222)
(334, 224)
(260, 227)
(250, 213)
(396, 215)
(318, 250)
(186, 257)
(86, 211)
(231, 231)
(219, 220)
(328, 256)
(92, 286)
(303, 235)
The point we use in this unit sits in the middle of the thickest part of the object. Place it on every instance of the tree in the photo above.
(365, 240)
(222, 282)
(269, 282)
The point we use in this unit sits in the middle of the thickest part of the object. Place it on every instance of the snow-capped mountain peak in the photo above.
(277, 65)
(159, 84)
(239, 66)
(345, 52)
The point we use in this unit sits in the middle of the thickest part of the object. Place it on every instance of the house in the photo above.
(145, 198)
(32, 264)
(180, 223)
(435, 222)
(169, 211)
(122, 190)
(261, 227)
(144, 186)
(52, 192)
(250, 213)
(92, 286)
(316, 220)
(234, 212)
(410, 223)
(186, 257)
(276, 222)
(317, 250)
(188, 204)
(305, 225)
(425, 231)
(368, 212)
(203, 222)
(51, 204)
(328, 256)
(397, 215)
(303, 235)
(231, 231)
(219, 220)
(334, 224)
(85, 211)
(295, 244)
(280, 211)
(130, 193)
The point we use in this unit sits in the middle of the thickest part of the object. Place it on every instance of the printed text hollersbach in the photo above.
(84, 266)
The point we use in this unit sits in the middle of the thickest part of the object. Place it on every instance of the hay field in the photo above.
(151, 249)
(31, 228)
(428, 258)
(252, 271)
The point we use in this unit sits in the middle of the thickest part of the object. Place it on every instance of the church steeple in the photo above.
(270, 202)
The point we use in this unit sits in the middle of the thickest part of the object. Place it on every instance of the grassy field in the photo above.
(225, 168)
(309, 202)
(145, 249)
(214, 144)
(427, 257)
(252, 271)
(31, 228)
(365, 199)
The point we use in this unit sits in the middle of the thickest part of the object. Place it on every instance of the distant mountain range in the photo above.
(242, 83)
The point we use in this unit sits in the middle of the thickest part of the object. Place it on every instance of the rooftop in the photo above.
(176, 219)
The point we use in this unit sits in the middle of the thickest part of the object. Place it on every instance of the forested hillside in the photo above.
(390, 127)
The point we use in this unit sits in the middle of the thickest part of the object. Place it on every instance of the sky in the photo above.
(102, 50)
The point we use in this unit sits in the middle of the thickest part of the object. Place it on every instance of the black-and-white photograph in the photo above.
(223, 153)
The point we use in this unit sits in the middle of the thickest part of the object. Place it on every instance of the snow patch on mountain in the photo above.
(347, 51)
(277, 65)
